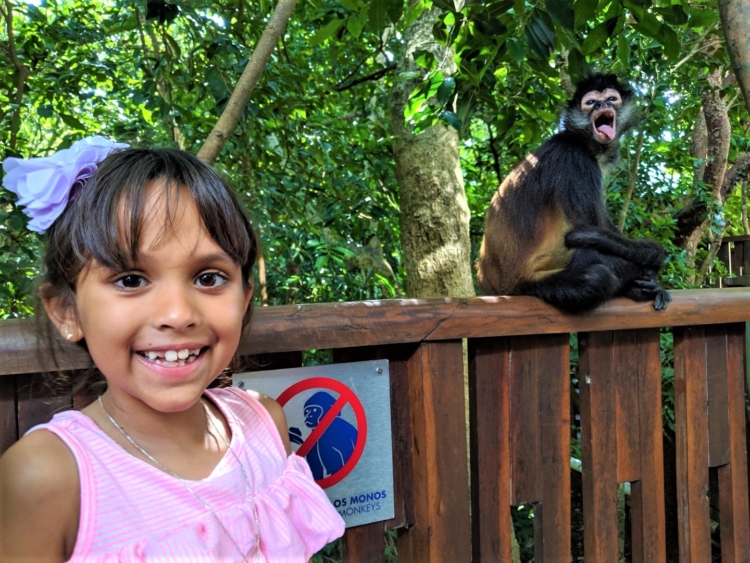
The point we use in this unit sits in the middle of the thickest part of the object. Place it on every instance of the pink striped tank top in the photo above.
(131, 511)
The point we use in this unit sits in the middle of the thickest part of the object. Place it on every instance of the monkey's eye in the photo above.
(590, 102)
(612, 99)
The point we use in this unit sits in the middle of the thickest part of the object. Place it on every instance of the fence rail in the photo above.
(519, 424)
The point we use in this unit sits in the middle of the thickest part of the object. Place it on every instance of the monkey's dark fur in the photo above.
(547, 232)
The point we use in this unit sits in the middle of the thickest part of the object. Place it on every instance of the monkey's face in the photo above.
(602, 107)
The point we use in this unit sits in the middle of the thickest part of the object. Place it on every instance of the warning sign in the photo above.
(339, 421)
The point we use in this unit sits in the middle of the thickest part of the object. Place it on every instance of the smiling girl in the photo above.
(149, 267)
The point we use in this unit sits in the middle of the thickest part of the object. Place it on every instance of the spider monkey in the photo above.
(547, 232)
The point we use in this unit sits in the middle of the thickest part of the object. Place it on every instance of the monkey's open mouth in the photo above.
(604, 125)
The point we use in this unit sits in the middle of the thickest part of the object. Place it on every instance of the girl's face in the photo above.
(162, 330)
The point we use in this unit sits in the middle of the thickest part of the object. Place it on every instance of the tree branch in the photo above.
(495, 156)
(232, 113)
(22, 75)
(631, 184)
(340, 87)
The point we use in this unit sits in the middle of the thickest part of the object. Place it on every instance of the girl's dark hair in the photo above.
(105, 218)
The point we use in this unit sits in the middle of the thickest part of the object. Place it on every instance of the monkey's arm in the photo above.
(644, 253)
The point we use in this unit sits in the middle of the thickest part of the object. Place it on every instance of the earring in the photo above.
(68, 335)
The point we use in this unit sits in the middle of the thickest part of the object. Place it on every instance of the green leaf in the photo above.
(425, 59)
(576, 63)
(354, 26)
(584, 11)
(516, 50)
(413, 12)
(394, 9)
(71, 121)
(325, 32)
(451, 119)
(702, 18)
(445, 90)
(671, 42)
(377, 14)
(350, 5)
(623, 51)
(46, 110)
(595, 39)
(562, 13)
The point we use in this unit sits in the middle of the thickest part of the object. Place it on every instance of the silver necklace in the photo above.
(189, 488)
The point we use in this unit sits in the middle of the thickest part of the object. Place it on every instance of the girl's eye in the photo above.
(210, 279)
(131, 281)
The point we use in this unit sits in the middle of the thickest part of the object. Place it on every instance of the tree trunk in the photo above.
(735, 19)
(692, 220)
(232, 113)
(434, 211)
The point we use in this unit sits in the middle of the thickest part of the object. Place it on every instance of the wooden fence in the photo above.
(448, 510)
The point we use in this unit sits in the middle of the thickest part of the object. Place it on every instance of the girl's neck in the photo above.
(144, 423)
(181, 441)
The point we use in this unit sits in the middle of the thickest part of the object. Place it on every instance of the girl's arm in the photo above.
(39, 500)
(278, 416)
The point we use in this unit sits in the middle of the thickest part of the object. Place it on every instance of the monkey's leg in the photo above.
(584, 284)
(642, 253)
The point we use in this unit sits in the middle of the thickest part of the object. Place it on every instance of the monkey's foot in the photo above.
(662, 299)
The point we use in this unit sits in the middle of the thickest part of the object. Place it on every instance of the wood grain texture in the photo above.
(647, 510)
(442, 531)
(691, 429)
(525, 435)
(8, 418)
(734, 512)
(369, 323)
(489, 360)
(598, 446)
(364, 543)
(552, 514)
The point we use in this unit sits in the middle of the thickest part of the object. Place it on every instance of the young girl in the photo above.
(149, 266)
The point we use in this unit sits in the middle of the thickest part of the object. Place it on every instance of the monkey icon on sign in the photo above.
(335, 446)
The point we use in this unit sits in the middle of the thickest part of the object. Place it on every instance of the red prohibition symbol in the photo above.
(346, 395)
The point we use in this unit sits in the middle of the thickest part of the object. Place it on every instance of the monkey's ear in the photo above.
(62, 312)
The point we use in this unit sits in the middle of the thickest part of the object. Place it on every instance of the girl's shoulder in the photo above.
(39, 492)
(264, 406)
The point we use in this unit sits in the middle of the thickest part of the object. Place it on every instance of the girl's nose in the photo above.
(174, 309)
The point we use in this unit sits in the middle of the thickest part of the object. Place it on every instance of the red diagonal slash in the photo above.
(322, 426)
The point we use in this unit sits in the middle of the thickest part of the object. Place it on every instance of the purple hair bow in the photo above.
(44, 185)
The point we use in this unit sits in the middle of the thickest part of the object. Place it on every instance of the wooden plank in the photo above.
(552, 514)
(37, 403)
(361, 543)
(745, 256)
(525, 450)
(718, 398)
(344, 325)
(489, 360)
(724, 255)
(364, 543)
(626, 376)
(647, 509)
(599, 447)
(734, 512)
(442, 530)
(691, 429)
(8, 418)
(738, 258)
(401, 435)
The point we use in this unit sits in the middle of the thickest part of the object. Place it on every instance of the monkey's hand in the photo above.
(646, 288)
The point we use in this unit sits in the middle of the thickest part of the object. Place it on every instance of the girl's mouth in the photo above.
(173, 358)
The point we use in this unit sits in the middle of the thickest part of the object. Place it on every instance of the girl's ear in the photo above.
(63, 315)
(248, 294)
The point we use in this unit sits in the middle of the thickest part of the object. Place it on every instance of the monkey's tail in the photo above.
(575, 290)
